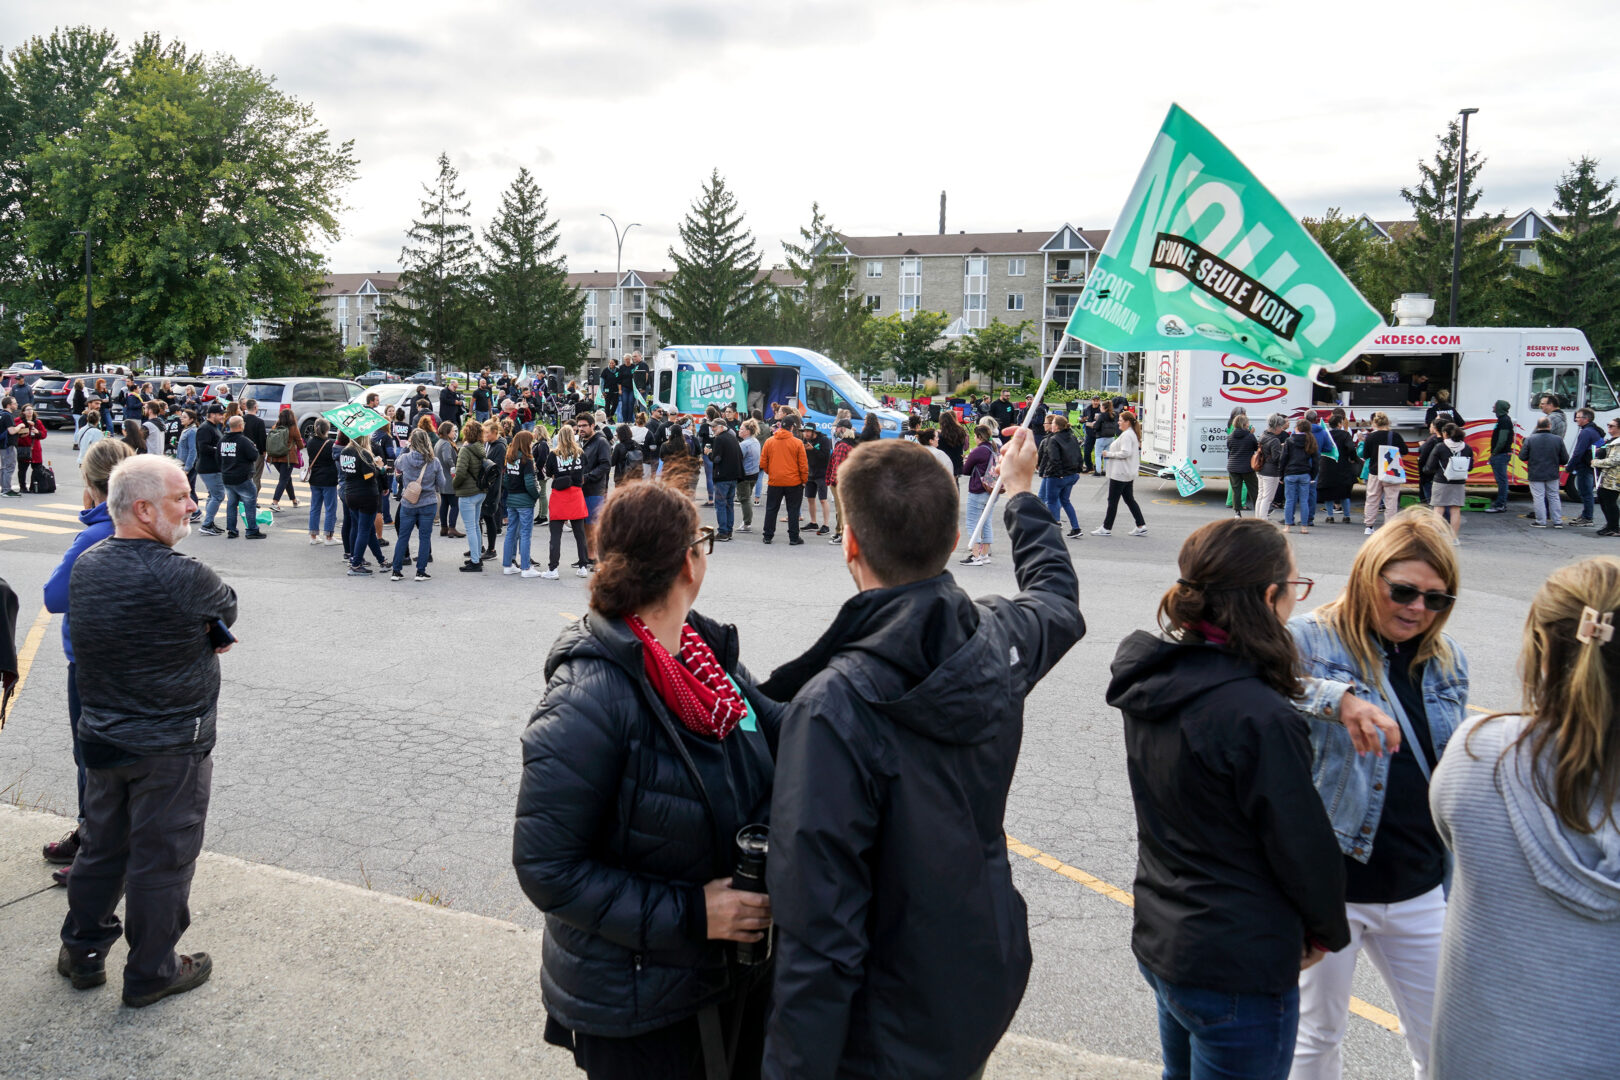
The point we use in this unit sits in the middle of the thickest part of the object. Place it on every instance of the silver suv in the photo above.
(306, 396)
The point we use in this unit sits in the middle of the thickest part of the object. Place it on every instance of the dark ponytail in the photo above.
(1226, 568)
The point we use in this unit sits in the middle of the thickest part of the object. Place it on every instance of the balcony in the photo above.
(1060, 312)
(1056, 278)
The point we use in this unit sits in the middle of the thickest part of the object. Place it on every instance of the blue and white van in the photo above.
(690, 378)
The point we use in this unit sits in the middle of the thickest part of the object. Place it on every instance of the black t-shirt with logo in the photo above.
(359, 476)
(171, 434)
(236, 457)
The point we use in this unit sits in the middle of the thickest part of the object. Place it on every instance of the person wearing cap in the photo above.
(844, 440)
(209, 436)
(817, 450)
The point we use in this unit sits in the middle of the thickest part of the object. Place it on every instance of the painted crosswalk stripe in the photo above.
(10, 512)
(9, 536)
(57, 506)
(32, 526)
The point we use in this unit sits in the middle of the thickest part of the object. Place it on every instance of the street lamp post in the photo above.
(1456, 238)
(618, 286)
(89, 311)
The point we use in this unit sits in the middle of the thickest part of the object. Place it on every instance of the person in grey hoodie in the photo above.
(1544, 455)
(1528, 805)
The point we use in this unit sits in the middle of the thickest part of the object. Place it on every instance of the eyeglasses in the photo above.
(1405, 594)
(705, 536)
(1302, 587)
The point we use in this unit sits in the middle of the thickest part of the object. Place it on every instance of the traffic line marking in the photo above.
(7, 511)
(9, 536)
(1118, 895)
(59, 506)
(30, 648)
(31, 526)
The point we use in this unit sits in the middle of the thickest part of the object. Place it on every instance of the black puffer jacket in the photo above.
(622, 817)
(1060, 455)
(1240, 447)
(903, 947)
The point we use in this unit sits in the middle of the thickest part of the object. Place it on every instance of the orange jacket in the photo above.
(783, 460)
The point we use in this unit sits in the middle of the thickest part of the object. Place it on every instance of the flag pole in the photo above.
(1029, 414)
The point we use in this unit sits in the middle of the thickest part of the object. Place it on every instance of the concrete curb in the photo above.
(314, 978)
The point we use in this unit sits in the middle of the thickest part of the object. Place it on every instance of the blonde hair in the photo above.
(1418, 534)
(99, 462)
(567, 441)
(1380, 420)
(1569, 689)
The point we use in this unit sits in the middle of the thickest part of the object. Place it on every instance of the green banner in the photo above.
(355, 421)
(1204, 257)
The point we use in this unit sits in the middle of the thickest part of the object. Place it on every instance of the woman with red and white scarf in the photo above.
(650, 750)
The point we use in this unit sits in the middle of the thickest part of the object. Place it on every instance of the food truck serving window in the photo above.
(1375, 380)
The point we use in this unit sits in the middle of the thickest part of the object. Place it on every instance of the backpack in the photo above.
(278, 442)
(487, 478)
(1456, 468)
(43, 480)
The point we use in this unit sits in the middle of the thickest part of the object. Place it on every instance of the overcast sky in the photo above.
(1029, 113)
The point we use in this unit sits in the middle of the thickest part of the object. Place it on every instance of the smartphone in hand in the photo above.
(219, 635)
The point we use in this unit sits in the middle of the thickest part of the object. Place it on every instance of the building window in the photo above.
(910, 285)
(875, 269)
(975, 284)
(1015, 267)
(874, 302)
(1015, 301)
(1067, 378)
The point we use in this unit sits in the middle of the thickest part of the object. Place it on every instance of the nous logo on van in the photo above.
(1249, 382)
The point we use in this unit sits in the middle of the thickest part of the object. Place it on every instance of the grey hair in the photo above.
(1276, 420)
(141, 478)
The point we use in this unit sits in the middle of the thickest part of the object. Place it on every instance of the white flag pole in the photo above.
(1029, 414)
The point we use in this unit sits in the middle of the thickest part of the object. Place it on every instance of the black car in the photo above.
(51, 396)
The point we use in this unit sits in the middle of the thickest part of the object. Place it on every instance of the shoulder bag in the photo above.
(310, 468)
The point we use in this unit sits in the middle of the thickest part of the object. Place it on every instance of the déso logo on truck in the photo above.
(1249, 382)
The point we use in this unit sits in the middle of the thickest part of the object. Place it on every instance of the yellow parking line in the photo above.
(58, 506)
(1118, 895)
(30, 648)
(7, 511)
(30, 526)
(9, 536)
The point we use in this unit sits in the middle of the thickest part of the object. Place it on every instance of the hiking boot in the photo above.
(62, 851)
(86, 973)
(194, 971)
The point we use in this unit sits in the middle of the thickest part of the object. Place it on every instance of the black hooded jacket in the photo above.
(623, 815)
(1237, 865)
(903, 948)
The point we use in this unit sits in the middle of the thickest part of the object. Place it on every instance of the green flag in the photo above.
(355, 421)
(1204, 257)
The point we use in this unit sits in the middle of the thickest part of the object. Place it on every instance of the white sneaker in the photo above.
(1368, 531)
(582, 571)
(550, 575)
(314, 541)
(1140, 530)
(509, 570)
(1100, 531)
(978, 560)
(331, 541)
(531, 572)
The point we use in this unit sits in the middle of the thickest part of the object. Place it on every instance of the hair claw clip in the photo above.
(1595, 626)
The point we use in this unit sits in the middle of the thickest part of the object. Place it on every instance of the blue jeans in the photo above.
(1296, 493)
(419, 518)
(1055, 494)
(1209, 1035)
(246, 496)
(1310, 513)
(472, 508)
(708, 477)
(1499, 469)
(215, 483)
(1583, 487)
(363, 535)
(320, 497)
(481, 414)
(725, 509)
(759, 485)
(519, 530)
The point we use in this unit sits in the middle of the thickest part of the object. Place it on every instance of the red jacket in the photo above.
(28, 443)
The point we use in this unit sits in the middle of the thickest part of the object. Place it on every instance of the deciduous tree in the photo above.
(998, 351)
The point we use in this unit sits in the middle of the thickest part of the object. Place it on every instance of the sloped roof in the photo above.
(349, 284)
(654, 279)
(1022, 242)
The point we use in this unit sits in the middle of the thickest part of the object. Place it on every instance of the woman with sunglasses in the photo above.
(642, 762)
(1239, 883)
(1384, 637)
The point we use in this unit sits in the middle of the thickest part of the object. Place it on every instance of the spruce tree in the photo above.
(306, 342)
(535, 316)
(1578, 281)
(716, 296)
(1420, 260)
(435, 301)
(821, 310)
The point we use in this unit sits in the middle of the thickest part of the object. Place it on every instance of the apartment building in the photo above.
(1035, 275)
(1519, 236)
(611, 332)
(353, 302)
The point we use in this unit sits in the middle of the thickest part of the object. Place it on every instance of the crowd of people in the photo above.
(805, 875)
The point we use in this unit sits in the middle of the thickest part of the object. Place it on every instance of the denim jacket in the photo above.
(1352, 785)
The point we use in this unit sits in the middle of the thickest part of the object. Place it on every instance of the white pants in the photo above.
(1268, 492)
(1403, 942)
(1382, 498)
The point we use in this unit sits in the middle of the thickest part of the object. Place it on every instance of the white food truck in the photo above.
(1188, 396)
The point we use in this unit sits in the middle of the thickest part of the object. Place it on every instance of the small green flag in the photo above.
(355, 421)
(1204, 257)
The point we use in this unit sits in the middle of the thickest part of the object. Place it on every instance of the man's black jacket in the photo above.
(1005, 413)
(903, 948)
(726, 453)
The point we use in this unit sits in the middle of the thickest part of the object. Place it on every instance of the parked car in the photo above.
(26, 376)
(372, 378)
(398, 394)
(51, 397)
(307, 396)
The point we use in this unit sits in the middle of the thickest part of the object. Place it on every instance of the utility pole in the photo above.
(618, 279)
(89, 310)
(1456, 239)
